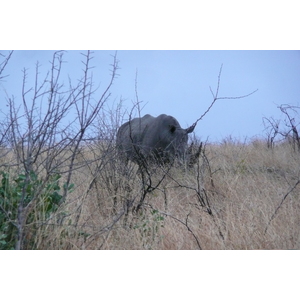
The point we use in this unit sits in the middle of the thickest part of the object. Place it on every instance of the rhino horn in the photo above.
(191, 128)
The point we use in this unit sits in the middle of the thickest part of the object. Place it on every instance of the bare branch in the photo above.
(216, 97)
(185, 223)
(281, 202)
(4, 63)
(290, 131)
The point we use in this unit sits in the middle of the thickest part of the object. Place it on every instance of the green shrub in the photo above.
(39, 198)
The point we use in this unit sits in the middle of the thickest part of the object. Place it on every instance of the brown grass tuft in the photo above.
(248, 187)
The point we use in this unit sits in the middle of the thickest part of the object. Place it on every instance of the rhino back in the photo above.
(149, 134)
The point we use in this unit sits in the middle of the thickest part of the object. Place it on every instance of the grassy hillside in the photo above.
(60, 189)
(237, 196)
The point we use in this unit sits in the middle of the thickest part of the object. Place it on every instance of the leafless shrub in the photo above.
(4, 124)
(43, 141)
(110, 199)
(153, 172)
(292, 124)
(272, 128)
(285, 129)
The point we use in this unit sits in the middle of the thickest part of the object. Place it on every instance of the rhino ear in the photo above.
(172, 128)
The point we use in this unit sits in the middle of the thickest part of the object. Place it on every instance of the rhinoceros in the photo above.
(160, 139)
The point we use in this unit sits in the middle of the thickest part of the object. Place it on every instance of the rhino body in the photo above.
(160, 139)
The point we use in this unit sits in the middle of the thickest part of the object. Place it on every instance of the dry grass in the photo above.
(244, 184)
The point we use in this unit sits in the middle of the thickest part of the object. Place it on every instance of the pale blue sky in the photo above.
(177, 83)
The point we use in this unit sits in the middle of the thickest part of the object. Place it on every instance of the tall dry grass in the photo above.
(252, 192)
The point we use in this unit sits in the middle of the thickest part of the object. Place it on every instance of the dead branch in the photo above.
(4, 63)
(185, 223)
(216, 97)
(281, 203)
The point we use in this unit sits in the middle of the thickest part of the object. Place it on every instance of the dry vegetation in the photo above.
(62, 188)
(252, 191)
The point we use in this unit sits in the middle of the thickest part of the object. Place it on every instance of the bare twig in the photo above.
(185, 223)
(4, 63)
(216, 97)
(43, 142)
(281, 202)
